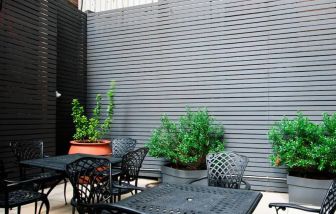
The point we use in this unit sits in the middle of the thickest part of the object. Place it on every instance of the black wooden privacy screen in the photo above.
(35, 39)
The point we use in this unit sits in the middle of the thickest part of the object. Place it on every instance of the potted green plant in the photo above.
(308, 150)
(90, 131)
(185, 144)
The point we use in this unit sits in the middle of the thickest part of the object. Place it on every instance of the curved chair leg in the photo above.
(19, 210)
(65, 186)
(6, 210)
(40, 209)
(279, 208)
(46, 201)
(35, 207)
(136, 184)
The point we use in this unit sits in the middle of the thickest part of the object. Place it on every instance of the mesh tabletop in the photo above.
(193, 199)
(59, 162)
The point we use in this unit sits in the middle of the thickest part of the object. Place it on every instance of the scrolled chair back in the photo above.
(329, 203)
(121, 146)
(226, 169)
(27, 150)
(91, 180)
(131, 164)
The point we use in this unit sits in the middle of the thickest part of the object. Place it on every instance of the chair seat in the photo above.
(128, 188)
(21, 197)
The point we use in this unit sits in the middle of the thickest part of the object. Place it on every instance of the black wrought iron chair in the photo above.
(28, 150)
(328, 205)
(120, 146)
(130, 168)
(114, 209)
(13, 193)
(226, 169)
(92, 182)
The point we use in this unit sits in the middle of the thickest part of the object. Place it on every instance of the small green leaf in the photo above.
(91, 128)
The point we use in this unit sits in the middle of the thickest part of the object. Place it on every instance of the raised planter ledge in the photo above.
(307, 191)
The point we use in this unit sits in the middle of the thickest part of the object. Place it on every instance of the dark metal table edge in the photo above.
(34, 162)
(255, 203)
(250, 210)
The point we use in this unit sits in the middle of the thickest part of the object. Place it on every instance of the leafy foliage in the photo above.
(306, 148)
(90, 129)
(186, 142)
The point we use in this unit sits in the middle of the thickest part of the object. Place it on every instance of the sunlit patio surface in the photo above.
(57, 205)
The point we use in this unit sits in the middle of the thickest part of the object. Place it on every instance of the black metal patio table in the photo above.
(59, 162)
(193, 199)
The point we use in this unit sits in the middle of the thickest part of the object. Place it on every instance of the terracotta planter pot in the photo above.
(102, 148)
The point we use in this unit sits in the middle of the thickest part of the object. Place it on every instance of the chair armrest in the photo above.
(113, 208)
(116, 167)
(15, 183)
(115, 172)
(36, 178)
(126, 187)
(283, 206)
(247, 184)
(198, 179)
(153, 184)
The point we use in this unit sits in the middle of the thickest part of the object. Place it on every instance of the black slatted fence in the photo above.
(71, 69)
(34, 43)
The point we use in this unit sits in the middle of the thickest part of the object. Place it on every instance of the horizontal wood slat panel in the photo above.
(28, 72)
(249, 62)
(35, 35)
(71, 70)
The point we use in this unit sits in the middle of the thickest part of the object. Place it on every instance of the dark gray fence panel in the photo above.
(248, 62)
(27, 73)
(71, 68)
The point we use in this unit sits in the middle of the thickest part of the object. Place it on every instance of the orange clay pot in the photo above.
(101, 148)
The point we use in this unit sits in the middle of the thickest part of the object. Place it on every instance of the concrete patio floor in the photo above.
(57, 205)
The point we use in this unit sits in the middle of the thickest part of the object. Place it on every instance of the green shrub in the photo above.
(186, 142)
(90, 129)
(306, 148)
